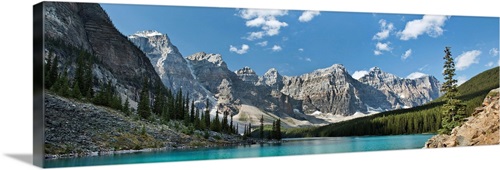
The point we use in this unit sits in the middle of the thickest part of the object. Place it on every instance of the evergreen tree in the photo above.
(233, 130)
(187, 117)
(88, 80)
(215, 125)
(143, 108)
(453, 109)
(76, 91)
(261, 127)
(225, 123)
(64, 90)
(158, 101)
(207, 115)
(237, 129)
(126, 107)
(249, 130)
(53, 74)
(197, 121)
(79, 73)
(191, 113)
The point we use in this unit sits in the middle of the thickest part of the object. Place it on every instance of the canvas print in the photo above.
(148, 83)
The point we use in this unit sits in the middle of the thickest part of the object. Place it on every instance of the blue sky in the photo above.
(298, 42)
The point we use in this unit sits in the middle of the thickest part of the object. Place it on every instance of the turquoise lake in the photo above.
(299, 146)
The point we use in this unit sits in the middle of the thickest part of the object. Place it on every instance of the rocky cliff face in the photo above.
(88, 27)
(174, 70)
(332, 90)
(402, 92)
(482, 128)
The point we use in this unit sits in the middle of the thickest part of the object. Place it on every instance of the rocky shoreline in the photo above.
(481, 128)
(78, 129)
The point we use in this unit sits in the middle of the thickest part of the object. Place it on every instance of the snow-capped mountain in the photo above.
(173, 69)
(329, 91)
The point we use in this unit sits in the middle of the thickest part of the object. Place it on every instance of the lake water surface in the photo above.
(299, 146)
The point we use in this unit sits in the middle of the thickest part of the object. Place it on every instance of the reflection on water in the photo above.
(295, 146)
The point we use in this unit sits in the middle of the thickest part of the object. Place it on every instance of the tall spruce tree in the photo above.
(191, 112)
(225, 123)
(233, 130)
(76, 91)
(53, 74)
(126, 107)
(207, 114)
(159, 100)
(215, 125)
(64, 89)
(453, 110)
(143, 108)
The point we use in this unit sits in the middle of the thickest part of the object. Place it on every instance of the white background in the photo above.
(16, 92)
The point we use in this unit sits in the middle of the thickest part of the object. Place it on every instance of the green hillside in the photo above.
(421, 119)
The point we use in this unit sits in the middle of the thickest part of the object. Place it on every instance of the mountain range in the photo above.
(314, 98)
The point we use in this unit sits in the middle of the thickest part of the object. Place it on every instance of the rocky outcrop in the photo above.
(481, 128)
(86, 26)
(402, 92)
(74, 129)
(210, 70)
(173, 69)
(246, 74)
(332, 90)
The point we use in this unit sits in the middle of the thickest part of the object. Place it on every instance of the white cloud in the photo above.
(276, 48)
(264, 19)
(490, 64)
(406, 54)
(243, 50)
(301, 49)
(379, 47)
(358, 74)
(263, 43)
(308, 59)
(461, 80)
(416, 75)
(383, 46)
(494, 52)
(255, 35)
(385, 29)
(467, 58)
(308, 16)
(429, 24)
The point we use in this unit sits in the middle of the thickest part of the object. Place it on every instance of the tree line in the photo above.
(158, 102)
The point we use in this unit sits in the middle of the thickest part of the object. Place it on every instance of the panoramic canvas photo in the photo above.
(150, 83)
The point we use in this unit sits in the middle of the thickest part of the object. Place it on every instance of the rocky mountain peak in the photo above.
(147, 33)
(247, 75)
(402, 92)
(375, 70)
(335, 69)
(212, 58)
(173, 69)
(271, 78)
(245, 70)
